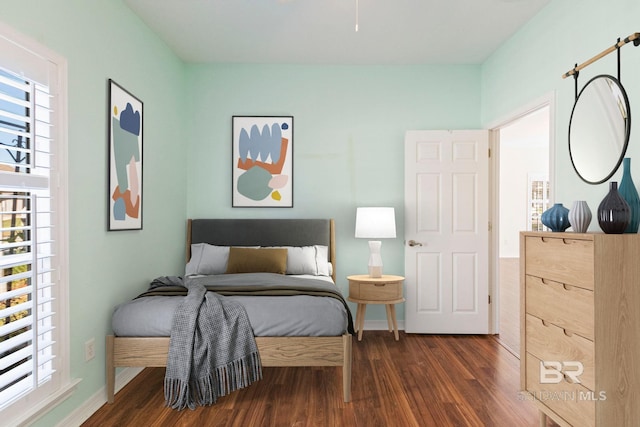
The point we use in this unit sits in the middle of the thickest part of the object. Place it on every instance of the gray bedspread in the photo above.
(294, 315)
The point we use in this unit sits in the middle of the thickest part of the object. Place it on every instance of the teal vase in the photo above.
(629, 193)
(556, 217)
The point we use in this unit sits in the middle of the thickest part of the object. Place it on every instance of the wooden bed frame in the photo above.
(274, 351)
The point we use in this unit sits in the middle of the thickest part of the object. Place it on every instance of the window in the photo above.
(33, 306)
(538, 201)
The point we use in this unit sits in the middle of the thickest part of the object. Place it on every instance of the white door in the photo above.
(446, 231)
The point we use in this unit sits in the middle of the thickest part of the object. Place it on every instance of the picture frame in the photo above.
(125, 120)
(262, 161)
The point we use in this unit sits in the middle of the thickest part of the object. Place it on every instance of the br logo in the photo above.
(553, 372)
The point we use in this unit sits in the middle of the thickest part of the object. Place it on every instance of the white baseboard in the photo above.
(95, 402)
(381, 325)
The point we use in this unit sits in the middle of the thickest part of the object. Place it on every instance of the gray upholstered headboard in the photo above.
(263, 232)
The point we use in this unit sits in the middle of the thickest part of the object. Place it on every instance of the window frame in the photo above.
(543, 202)
(25, 55)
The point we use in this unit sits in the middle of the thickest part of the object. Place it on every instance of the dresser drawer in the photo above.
(375, 291)
(568, 307)
(562, 260)
(573, 402)
(549, 342)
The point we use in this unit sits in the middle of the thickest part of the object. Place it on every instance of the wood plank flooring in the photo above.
(421, 380)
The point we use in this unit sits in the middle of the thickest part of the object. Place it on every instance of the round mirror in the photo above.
(599, 129)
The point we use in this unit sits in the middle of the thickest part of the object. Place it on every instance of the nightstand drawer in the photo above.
(568, 307)
(375, 291)
(562, 260)
(549, 342)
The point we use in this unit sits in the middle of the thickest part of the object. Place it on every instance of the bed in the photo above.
(309, 346)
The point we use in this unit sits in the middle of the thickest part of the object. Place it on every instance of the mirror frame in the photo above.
(627, 128)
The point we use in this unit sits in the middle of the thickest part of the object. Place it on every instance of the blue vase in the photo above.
(629, 193)
(614, 212)
(556, 217)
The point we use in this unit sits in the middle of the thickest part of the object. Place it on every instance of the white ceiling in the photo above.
(323, 31)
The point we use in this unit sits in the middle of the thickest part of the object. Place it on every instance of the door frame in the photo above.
(547, 100)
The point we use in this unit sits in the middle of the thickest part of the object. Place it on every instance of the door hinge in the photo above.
(489, 226)
(489, 152)
(489, 298)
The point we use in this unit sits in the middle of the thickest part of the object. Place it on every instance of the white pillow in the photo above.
(207, 259)
(301, 260)
(322, 257)
(307, 260)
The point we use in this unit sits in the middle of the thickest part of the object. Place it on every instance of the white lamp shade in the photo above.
(376, 223)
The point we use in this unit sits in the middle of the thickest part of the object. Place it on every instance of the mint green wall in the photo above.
(349, 124)
(532, 62)
(103, 39)
(349, 130)
(348, 137)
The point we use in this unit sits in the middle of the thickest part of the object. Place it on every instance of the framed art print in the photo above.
(262, 161)
(125, 120)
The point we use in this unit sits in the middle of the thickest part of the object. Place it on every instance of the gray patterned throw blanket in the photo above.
(212, 350)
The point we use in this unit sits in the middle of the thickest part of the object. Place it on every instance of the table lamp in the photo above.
(375, 223)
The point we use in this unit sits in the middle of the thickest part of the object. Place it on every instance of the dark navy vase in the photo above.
(556, 217)
(614, 212)
(629, 193)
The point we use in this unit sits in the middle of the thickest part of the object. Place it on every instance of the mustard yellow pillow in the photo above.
(257, 260)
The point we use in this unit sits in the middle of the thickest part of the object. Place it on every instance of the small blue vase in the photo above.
(629, 193)
(556, 217)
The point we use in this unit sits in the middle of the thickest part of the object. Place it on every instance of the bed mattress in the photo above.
(273, 316)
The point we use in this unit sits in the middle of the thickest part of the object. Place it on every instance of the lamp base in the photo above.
(375, 271)
(375, 259)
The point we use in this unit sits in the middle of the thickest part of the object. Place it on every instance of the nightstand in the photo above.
(364, 289)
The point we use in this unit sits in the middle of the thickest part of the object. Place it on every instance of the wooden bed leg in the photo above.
(110, 370)
(346, 368)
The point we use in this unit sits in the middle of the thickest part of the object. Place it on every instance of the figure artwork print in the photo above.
(262, 161)
(125, 159)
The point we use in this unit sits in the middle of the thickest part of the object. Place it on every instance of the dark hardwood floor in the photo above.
(421, 380)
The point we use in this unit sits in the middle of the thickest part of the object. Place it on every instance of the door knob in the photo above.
(413, 243)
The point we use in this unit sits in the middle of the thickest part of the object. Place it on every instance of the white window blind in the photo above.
(27, 285)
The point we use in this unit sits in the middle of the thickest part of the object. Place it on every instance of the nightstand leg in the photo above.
(389, 321)
(395, 322)
(362, 310)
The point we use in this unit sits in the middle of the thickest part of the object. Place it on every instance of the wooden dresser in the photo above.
(580, 314)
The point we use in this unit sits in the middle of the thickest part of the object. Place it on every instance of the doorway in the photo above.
(522, 192)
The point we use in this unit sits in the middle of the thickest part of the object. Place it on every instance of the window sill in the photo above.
(30, 416)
